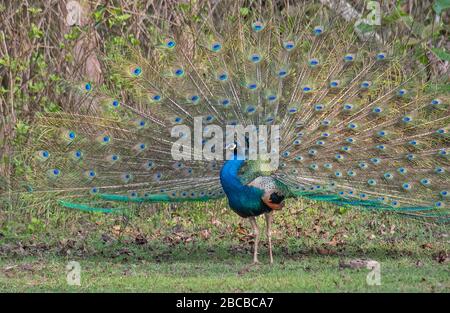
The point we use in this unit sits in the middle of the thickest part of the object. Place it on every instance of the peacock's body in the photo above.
(359, 124)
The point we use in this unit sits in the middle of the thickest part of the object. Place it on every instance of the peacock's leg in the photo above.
(269, 217)
(256, 234)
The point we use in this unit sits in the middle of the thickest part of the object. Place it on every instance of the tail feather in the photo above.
(359, 123)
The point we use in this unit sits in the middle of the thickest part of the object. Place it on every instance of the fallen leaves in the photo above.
(355, 263)
(140, 239)
(442, 257)
(427, 245)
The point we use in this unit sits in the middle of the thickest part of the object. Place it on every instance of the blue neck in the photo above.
(229, 176)
(244, 200)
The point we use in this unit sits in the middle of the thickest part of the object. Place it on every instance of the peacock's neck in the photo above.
(229, 176)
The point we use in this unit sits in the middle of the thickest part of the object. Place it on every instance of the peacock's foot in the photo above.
(256, 262)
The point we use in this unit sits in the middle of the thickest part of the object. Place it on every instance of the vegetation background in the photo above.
(188, 247)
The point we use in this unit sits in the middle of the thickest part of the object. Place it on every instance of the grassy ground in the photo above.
(208, 248)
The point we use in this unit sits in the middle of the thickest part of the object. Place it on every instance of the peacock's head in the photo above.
(274, 199)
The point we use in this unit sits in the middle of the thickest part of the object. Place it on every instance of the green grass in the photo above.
(207, 248)
(309, 274)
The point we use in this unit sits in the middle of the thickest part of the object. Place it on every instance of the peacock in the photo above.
(349, 116)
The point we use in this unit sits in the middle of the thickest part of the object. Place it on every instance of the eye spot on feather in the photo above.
(441, 131)
(319, 107)
(334, 84)
(312, 152)
(402, 170)
(71, 135)
(255, 58)
(194, 99)
(115, 103)
(149, 165)
(406, 119)
(377, 110)
(410, 157)
(435, 102)
(313, 62)
(363, 165)
(365, 85)
(94, 190)
(425, 182)
(288, 45)
(156, 98)
(439, 170)
(179, 72)
(406, 186)
(381, 56)
(282, 73)
(382, 133)
(222, 77)
(157, 176)
(257, 26)
(444, 193)
(306, 89)
(388, 176)
(224, 102)
(318, 30)
(88, 87)
(54, 173)
(347, 107)
(349, 57)
(402, 92)
(314, 166)
(170, 43)
(77, 155)
(352, 126)
(338, 174)
(251, 109)
(137, 71)
(292, 110)
(43, 155)
(372, 182)
(375, 161)
(252, 86)
(216, 47)
(126, 177)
